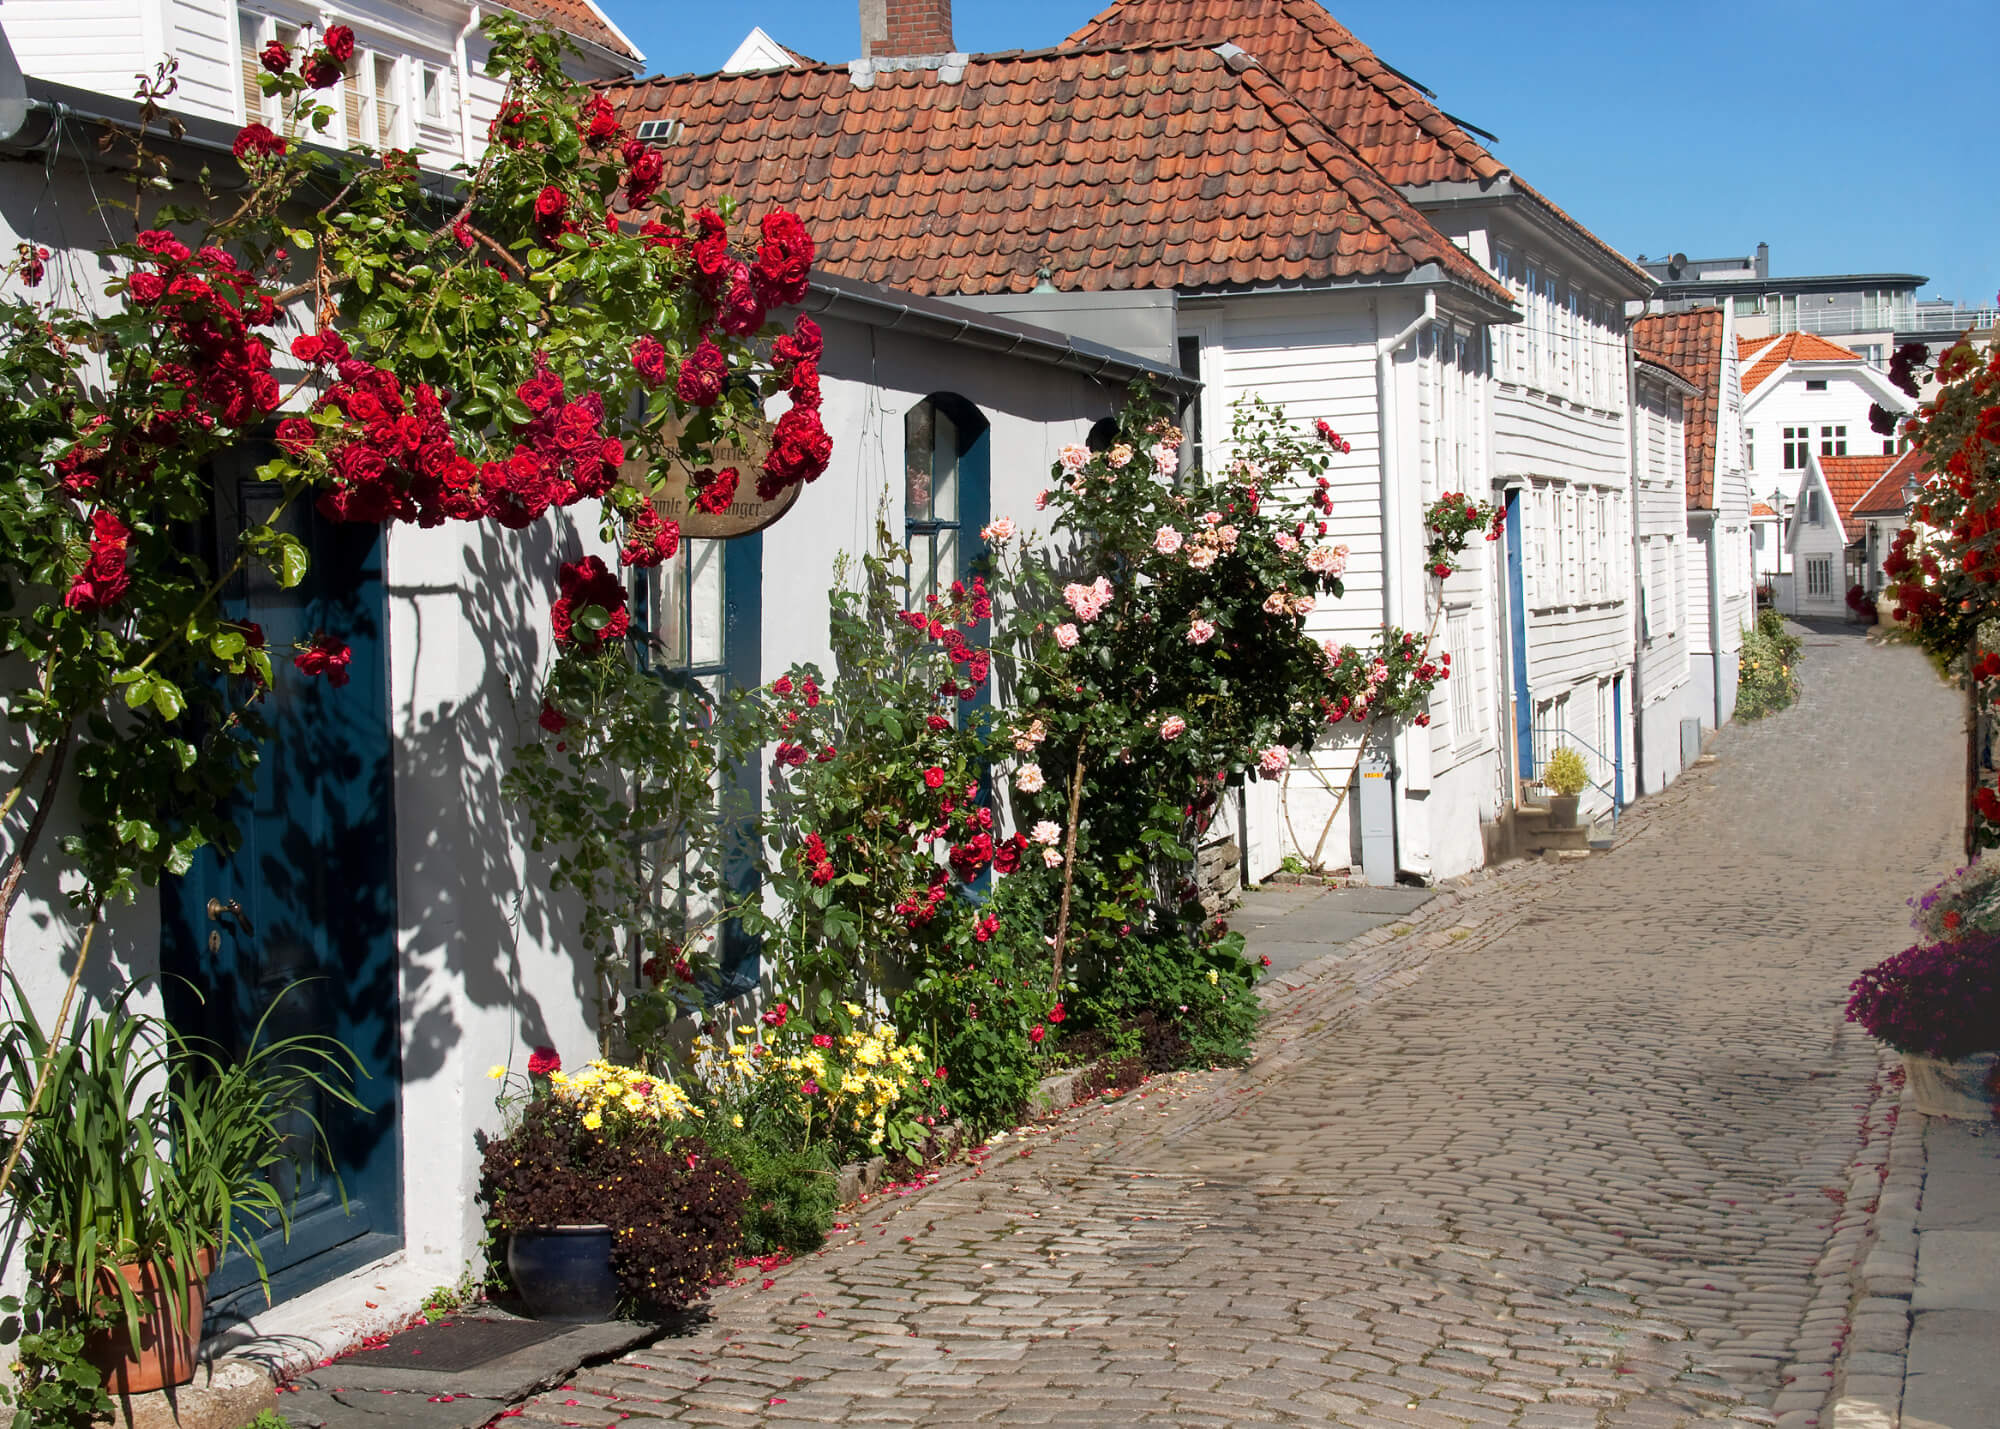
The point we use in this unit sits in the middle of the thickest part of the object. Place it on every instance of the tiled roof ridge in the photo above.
(840, 67)
(591, 24)
(1372, 193)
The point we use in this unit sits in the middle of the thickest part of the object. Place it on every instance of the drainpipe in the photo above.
(464, 60)
(1715, 609)
(1638, 573)
(1392, 523)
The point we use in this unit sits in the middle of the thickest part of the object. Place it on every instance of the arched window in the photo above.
(946, 492)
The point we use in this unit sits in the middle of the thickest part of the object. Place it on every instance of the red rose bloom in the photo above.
(586, 583)
(275, 58)
(702, 376)
(1056, 1013)
(322, 71)
(552, 719)
(340, 43)
(103, 581)
(145, 287)
(296, 436)
(821, 1039)
(597, 121)
(934, 778)
(1036, 1033)
(542, 1061)
(800, 451)
(258, 140)
(650, 539)
(326, 656)
(645, 168)
(714, 491)
(742, 310)
(784, 259)
(649, 360)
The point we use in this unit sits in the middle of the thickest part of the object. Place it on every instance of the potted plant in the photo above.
(146, 1154)
(1939, 1005)
(1565, 776)
(602, 1199)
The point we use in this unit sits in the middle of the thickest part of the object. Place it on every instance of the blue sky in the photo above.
(1841, 133)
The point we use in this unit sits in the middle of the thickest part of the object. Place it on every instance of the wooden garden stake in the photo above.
(1069, 871)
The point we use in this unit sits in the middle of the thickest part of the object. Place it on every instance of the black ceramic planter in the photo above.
(564, 1273)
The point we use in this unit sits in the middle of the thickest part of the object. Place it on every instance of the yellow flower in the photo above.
(497, 1073)
(737, 1120)
(1213, 977)
(851, 1009)
(592, 1120)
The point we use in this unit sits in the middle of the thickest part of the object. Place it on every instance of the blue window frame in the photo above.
(947, 492)
(698, 621)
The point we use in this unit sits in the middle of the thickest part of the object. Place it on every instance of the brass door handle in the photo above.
(221, 910)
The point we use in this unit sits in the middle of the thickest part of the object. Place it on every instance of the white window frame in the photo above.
(1819, 577)
(1467, 718)
(269, 25)
(1833, 440)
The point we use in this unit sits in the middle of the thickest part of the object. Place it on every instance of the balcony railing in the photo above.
(1885, 319)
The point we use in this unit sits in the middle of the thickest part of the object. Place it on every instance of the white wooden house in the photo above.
(451, 955)
(418, 79)
(1826, 542)
(1372, 307)
(1663, 689)
(1883, 511)
(1697, 343)
(1804, 395)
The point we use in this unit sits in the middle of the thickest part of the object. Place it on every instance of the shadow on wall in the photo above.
(476, 904)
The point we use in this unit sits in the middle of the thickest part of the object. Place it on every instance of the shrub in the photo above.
(978, 1005)
(674, 1209)
(1566, 773)
(793, 1193)
(1935, 1000)
(1173, 999)
(1968, 902)
(1766, 680)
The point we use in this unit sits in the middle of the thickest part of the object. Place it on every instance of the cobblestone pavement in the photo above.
(1572, 1152)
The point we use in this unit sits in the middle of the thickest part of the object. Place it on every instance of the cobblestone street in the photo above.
(1569, 1150)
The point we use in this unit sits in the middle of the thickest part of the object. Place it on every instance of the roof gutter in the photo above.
(1487, 307)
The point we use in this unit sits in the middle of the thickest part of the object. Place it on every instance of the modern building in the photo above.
(1871, 313)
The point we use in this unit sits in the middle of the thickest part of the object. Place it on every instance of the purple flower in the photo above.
(1938, 1000)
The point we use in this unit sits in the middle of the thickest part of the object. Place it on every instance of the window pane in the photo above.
(385, 101)
(923, 554)
(705, 602)
(944, 469)
(918, 442)
(670, 626)
(947, 558)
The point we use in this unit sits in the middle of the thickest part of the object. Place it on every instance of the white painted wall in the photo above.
(1783, 400)
(1815, 534)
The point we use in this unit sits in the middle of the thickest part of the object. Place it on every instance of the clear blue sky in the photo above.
(1841, 133)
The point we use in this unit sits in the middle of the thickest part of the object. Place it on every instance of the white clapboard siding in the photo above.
(97, 45)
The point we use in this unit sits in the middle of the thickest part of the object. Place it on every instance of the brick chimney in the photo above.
(896, 29)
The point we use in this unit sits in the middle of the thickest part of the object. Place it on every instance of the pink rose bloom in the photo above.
(1303, 605)
(1166, 461)
(1288, 542)
(1200, 558)
(1274, 759)
(1226, 535)
(1045, 833)
(1028, 779)
(1378, 672)
(1066, 636)
(1001, 530)
(1274, 603)
(1052, 857)
(1201, 632)
(1042, 499)
(1327, 560)
(1120, 455)
(1166, 540)
(1074, 458)
(1088, 601)
(1211, 518)
(1172, 727)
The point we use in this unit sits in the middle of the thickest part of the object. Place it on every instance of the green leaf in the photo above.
(167, 699)
(293, 562)
(227, 644)
(138, 692)
(138, 831)
(593, 617)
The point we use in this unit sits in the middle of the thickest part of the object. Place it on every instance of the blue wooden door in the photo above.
(305, 906)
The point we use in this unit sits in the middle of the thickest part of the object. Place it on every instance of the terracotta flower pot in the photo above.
(168, 1343)
(1963, 1089)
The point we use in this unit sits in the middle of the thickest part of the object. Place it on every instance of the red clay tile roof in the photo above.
(1690, 342)
(1761, 508)
(1792, 347)
(580, 18)
(1889, 495)
(1849, 478)
(1154, 167)
(1384, 117)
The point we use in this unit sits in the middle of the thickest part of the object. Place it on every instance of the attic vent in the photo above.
(666, 131)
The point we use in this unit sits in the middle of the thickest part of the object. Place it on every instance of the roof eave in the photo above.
(1625, 279)
(1484, 306)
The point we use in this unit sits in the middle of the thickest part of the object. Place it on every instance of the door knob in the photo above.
(228, 910)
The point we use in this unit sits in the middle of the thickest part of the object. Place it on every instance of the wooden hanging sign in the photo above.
(746, 513)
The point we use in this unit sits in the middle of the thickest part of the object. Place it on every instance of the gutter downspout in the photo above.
(464, 59)
(1639, 611)
(1715, 609)
(1392, 522)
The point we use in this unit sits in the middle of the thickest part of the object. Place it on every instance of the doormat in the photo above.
(451, 1346)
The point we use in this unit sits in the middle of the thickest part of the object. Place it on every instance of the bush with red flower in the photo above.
(1935, 999)
(1449, 525)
